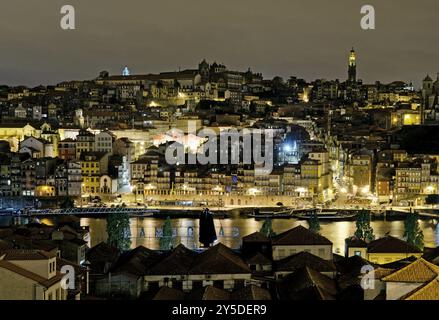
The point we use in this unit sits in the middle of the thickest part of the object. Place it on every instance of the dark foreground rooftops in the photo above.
(391, 244)
(300, 236)
(305, 259)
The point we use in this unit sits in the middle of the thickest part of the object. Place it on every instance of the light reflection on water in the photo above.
(230, 231)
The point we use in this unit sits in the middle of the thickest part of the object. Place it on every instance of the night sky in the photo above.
(308, 38)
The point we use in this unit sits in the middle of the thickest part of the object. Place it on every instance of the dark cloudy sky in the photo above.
(306, 38)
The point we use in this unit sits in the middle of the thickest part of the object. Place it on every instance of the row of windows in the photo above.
(89, 165)
(52, 267)
(104, 144)
(154, 286)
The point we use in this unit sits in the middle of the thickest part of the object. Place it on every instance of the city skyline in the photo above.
(232, 151)
(303, 44)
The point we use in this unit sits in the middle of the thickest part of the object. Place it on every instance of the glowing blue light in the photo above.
(126, 72)
(287, 148)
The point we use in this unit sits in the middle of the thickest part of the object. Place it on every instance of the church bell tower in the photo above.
(352, 70)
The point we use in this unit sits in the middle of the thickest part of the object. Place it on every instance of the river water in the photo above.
(146, 231)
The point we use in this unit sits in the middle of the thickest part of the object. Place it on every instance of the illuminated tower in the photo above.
(427, 92)
(352, 71)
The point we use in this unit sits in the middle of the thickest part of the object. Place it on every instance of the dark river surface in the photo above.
(146, 231)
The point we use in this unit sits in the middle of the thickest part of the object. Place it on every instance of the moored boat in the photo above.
(270, 214)
(328, 215)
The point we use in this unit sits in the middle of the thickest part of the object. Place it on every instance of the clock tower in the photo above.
(352, 70)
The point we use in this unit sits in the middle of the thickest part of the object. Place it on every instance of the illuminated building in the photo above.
(360, 171)
(315, 174)
(405, 117)
(384, 181)
(93, 166)
(14, 133)
(68, 179)
(311, 176)
(414, 179)
(45, 191)
(67, 149)
(85, 142)
(36, 148)
(104, 142)
(384, 250)
(352, 69)
(30, 275)
(300, 239)
(125, 72)
(20, 112)
(390, 249)
(430, 100)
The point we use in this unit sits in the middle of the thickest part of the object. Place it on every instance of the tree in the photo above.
(364, 230)
(167, 239)
(412, 230)
(267, 228)
(314, 223)
(118, 230)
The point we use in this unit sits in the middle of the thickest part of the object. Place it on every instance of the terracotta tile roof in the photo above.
(350, 270)
(209, 293)
(5, 245)
(391, 244)
(177, 262)
(219, 259)
(136, 261)
(305, 259)
(60, 262)
(259, 258)
(101, 256)
(429, 291)
(256, 237)
(417, 272)
(300, 236)
(21, 254)
(30, 275)
(166, 293)
(307, 284)
(431, 254)
(380, 273)
(396, 265)
(355, 242)
(26, 243)
(251, 292)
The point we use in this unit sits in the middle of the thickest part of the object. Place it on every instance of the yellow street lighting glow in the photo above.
(365, 189)
(253, 191)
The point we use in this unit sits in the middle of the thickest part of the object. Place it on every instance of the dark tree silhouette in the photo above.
(167, 239)
(364, 230)
(267, 228)
(413, 232)
(118, 229)
(314, 223)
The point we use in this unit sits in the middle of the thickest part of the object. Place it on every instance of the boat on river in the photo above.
(271, 214)
(328, 215)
